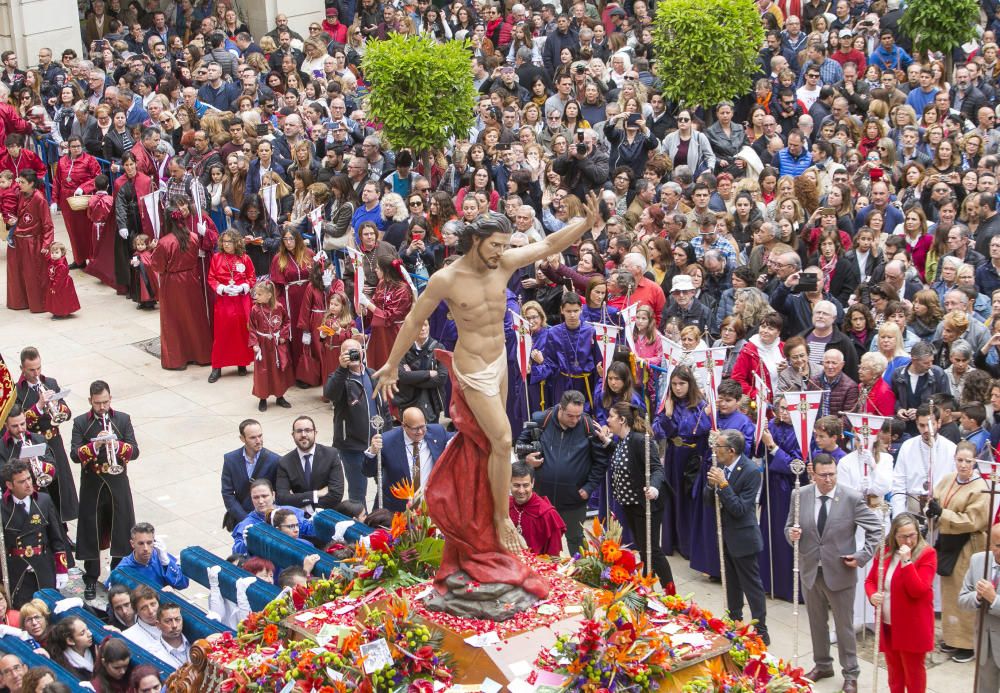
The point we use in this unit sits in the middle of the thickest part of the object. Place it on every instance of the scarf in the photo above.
(770, 356)
(828, 267)
(78, 661)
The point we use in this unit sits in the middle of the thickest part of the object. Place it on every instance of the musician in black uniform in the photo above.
(106, 510)
(36, 555)
(13, 440)
(30, 387)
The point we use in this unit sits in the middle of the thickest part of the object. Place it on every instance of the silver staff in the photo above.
(884, 507)
(797, 467)
(377, 423)
(712, 437)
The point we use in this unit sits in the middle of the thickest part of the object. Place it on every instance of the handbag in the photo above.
(949, 548)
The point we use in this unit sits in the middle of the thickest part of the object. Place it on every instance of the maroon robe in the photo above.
(329, 351)
(539, 524)
(60, 297)
(309, 367)
(70, 175)
(146, 282)
(291, 284)
(392, 304)
(185, 333)
(230, 346)
(27, 267)
(144, 162)
(102, 262)
(270, 330)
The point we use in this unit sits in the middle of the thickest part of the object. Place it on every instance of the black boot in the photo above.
(262, 405)
(89, 590)
(242, 370)
(214, 375)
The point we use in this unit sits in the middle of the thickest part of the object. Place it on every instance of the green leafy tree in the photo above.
(421, 91)
(706, 50)
(940, 25)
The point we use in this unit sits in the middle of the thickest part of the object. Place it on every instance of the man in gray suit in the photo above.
(829, 516)
(974, 594)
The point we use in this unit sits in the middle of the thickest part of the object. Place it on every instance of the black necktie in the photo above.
(821, 522)
(308, 470)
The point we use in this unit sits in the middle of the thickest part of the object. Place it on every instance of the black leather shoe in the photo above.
(262, 405)
(850, 686)
(242, 370)
(215, 375)
(90, 592)
(817, 675)
(282, 402)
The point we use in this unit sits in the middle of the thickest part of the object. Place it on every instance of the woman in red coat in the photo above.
(387, 309)
(231, 277)
(270, 332)
(290, 274)
(907, 599)
(763, 355)
(75, 174)
(874, 394)
(27, 261)
(185, 333)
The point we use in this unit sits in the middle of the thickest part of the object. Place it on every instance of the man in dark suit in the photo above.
(736, 480)
(241, 467)
(829, 517)
(408, 453)
(311, 476)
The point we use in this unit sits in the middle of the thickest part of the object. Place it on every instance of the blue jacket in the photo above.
(236, 483)
(221, 98)
(306, 528)
(396, 461)
(156, 572)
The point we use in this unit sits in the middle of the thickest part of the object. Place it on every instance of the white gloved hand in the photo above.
(307, 338)
(256, 353)
(202, 228)
(54, 208)
(123, 233)
(245, 288)
(161, 551)
(68, 603)
(134, 262)
(213, 575)
(234, 290)
(61, 580)
(242, 585)
(10, 630)
(78, 191)
(222, 289)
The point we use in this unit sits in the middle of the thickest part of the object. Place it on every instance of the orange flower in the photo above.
(402, 490)
(618, 575)
(610, 551)
(398, 525)
(270, 634)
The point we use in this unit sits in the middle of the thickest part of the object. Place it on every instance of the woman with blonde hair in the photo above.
(889, 343)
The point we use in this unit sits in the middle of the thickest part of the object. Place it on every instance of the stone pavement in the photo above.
(184, 425)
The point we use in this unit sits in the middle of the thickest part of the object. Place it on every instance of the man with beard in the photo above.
(533, 515)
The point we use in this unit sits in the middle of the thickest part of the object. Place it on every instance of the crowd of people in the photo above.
(837, 229)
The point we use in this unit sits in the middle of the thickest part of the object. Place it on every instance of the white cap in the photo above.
(682, 282)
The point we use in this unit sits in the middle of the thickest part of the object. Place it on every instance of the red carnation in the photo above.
(717, 625)
(627, 560)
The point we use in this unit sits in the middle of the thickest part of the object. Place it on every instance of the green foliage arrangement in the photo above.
(421, 91)
(940, 25)
(706, 50)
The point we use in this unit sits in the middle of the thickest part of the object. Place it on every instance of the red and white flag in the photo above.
(316, 220)
(606, 337)
(803, 407)
(627, 315)
(712, 359)
(672, 353)
(762, 398)
(522, 331)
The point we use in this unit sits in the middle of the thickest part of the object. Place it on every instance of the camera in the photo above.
(808, 283)
(534, 444)
(581, 149)
(354, 355)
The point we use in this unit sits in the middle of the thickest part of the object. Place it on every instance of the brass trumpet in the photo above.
(56, 415)
(42, 479)
(114, 466)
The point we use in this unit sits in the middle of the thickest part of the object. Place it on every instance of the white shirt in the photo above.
(145, 636)
(177, 654)
(865, 476)
(862, 263)
(912, 465)
(426, 463)
(819, 503)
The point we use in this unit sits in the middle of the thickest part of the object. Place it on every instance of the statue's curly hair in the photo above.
(482, 227)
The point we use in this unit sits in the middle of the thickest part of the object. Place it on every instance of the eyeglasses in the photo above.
(415, 429)
(297, 431)
(416, 203)
(295, 526)
(827, 475)
(683, 120)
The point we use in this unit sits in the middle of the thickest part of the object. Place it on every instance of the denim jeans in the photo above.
(357, 482)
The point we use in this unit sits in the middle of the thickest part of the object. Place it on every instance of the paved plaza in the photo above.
(184, 425)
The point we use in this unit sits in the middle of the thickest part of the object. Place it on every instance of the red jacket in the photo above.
(881, 401)
(911, 601)
(26, 160)
(70, 175)
(747, 364)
